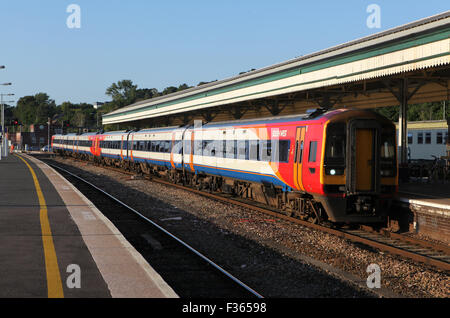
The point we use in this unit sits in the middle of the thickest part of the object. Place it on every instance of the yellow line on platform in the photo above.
(54, 284)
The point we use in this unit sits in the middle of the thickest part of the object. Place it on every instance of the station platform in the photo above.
(436, 194)
(56, 243)
(429, 208)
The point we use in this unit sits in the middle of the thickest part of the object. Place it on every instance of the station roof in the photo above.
(418, 45)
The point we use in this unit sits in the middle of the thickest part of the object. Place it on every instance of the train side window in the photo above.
(266, 150)
(410, 138)
(300, 156)
(428, 137)
(198, 150)
(218, 148)
(283, 151)
(439, 138)
(210, 148)
(445, 138)
(231, 149)
(205, 148)
(177, 148)
(242, 152)
(187, 147)
(254, 150)
(312, 151)
(420, 138)
(166, 146)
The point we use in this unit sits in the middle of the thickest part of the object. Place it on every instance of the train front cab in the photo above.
(359, 168)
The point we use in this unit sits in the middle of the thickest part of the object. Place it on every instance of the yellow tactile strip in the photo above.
(124, 270)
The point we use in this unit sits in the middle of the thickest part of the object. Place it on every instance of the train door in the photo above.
(127, 146)
(364, 138)
(188, 150)
(364, 159)
(298, 157)
(173, 149)
(131, 146)
(121, 147)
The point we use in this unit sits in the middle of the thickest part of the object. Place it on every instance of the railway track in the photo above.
(431, 254)
(186, 270)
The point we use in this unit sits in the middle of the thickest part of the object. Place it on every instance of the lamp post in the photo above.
(4, 146)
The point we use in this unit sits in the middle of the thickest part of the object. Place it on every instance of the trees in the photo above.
(418, 112)
(123, 93)
(35, 109)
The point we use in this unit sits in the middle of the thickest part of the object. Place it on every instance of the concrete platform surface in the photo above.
(427, 194)
(56, 243)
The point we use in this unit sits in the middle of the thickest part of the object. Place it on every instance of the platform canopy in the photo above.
(408, 64)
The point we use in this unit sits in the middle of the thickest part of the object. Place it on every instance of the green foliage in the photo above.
(123, 92)
(418, 112)
(35, 109)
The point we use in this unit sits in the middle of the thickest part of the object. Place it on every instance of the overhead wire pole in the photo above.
(48, 135)
(3, 152)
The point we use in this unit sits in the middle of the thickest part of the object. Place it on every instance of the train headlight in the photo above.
(334, 171)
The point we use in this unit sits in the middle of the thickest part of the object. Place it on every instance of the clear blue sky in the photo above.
(163, 43)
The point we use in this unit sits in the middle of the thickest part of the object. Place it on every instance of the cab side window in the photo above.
(312, 151)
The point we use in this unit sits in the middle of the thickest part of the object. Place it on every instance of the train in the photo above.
(336, 166)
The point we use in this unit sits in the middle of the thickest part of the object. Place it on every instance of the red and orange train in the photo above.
(338, 166)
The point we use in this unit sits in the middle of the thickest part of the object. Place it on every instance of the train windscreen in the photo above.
(335, 149)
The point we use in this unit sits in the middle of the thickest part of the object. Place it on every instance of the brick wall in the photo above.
(428, 221)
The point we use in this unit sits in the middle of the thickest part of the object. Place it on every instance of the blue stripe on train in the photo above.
(236, 174)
